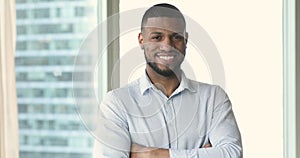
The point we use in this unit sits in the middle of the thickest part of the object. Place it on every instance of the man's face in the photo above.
(164, 42)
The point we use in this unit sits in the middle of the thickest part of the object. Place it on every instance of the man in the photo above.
(164, 114)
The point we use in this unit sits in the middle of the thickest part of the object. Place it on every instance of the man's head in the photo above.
(163, 38)
(162, 10)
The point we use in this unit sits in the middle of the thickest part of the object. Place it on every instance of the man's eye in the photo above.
(178, 37)
(156, 37)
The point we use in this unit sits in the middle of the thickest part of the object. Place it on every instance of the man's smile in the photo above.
(166, 57)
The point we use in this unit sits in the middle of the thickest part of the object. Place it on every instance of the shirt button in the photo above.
(169, 102)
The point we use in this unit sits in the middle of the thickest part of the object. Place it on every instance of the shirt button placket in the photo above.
(171, 123)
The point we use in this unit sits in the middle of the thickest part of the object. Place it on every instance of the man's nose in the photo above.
(167, 45)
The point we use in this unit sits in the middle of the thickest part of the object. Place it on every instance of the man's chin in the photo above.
(164, 71)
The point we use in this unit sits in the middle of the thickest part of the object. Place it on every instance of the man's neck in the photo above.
(167, 84)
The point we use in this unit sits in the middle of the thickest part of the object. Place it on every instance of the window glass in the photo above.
(49, 35)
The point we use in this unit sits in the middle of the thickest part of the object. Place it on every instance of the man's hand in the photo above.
(139, 151)
(207, 146)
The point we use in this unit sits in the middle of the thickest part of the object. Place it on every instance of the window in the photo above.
(41, 13)
(83, 11)
(49, 36)
(22, 14)
(39, 45)
(21, 30)
(21, 45)
(80, 11)
(49, 60)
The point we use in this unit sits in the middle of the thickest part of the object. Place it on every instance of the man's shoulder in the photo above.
(203, 86)
(206, 90)
(124, 90)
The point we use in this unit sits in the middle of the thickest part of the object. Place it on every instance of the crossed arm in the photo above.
(224, 135)
(138, 151)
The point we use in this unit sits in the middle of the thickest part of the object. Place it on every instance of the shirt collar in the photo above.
(185, 84)
(145, 84)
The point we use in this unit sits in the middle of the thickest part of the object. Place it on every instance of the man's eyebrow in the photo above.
(173, 34)
(178, 33)
(156, 33)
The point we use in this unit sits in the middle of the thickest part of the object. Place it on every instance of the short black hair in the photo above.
(162, 10)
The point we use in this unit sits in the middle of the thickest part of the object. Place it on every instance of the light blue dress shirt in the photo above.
(194, 115)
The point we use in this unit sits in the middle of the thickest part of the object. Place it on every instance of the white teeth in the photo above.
(166, 57)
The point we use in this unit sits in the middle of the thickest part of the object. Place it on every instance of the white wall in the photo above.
(248, 36)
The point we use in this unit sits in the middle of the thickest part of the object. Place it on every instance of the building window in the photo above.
(21, 45)
(41, 13)
(47, 44)
(21, 30)
(22, 14)
(80, 11)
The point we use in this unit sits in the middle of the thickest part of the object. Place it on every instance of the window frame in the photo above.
(291, 75)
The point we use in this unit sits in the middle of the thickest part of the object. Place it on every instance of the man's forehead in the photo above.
(165, 23)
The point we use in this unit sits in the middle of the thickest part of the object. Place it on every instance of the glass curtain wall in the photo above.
(49, 35)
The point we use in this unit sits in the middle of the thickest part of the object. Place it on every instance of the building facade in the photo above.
(49, 34)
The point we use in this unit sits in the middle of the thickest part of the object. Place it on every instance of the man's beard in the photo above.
(166, 73)
(169, 72)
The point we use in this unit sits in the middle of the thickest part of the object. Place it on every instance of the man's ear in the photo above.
(141, 40)
(186, 37)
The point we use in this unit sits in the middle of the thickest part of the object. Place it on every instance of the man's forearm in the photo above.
(160, 153)
(138, 151)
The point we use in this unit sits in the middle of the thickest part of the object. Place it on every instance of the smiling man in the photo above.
(164, 42)
(164, 114)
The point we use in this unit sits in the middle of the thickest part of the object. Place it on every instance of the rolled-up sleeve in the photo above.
(224, 134)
